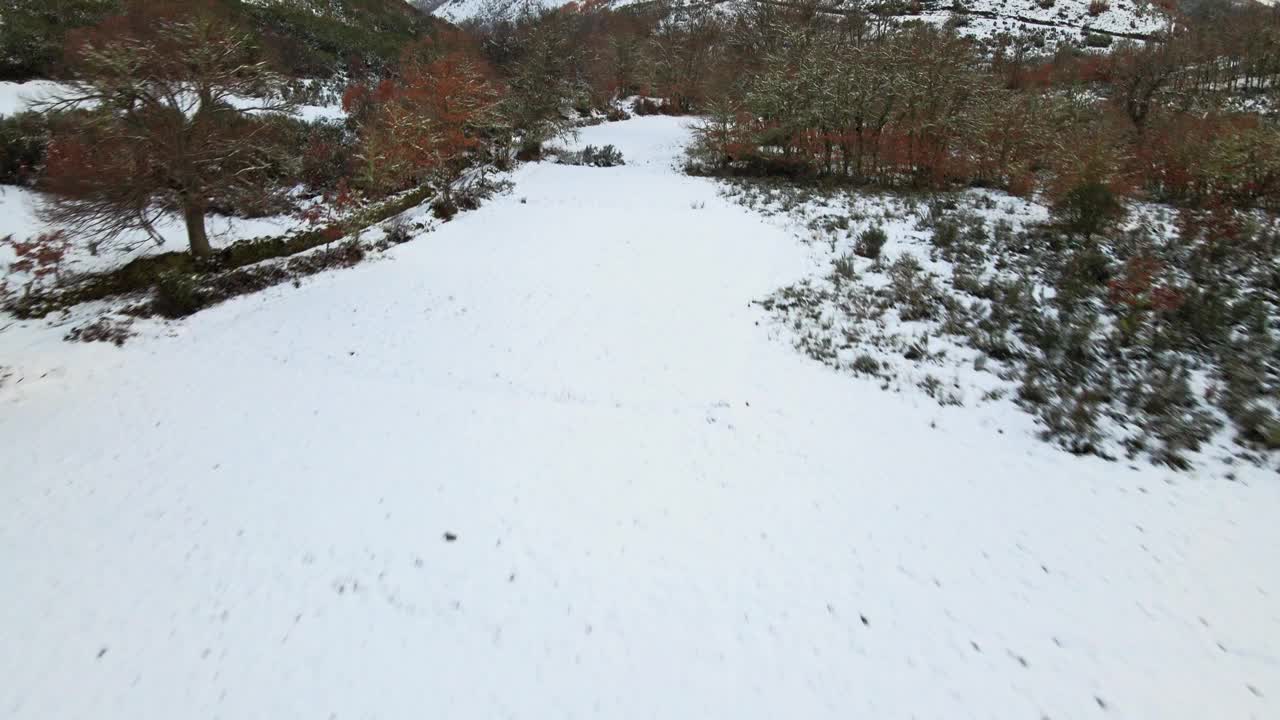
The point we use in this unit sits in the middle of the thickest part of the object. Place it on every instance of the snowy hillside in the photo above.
(550, 460)
(1059, 18)
(459, 11)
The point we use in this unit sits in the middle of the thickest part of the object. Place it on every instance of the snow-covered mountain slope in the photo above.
(550, 461)
(1059, 18)
(1064, 18)
(460, 11)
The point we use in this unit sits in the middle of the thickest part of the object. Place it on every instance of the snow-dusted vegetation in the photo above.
(981, 298)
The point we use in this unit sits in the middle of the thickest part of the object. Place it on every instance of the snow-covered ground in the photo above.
(18, 97)
(550, 461)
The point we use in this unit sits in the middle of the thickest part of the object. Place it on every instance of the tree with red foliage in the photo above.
(427, 122)
(169, 99)
(1141, 295)
(1140, 288)
(40, 258)
(328, 213)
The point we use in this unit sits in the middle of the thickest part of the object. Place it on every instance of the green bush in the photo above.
(607, 156)
(866, 364)
(1088, 208)
(871, 242)
(844, 268)
(325, 154)
(444, 209)
(24, 139)
(33, 33)
(530, 150)
(177, 295)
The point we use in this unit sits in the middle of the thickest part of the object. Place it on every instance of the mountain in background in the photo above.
(1136, 17)
(1056, 19)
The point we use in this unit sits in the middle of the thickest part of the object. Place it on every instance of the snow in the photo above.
(18, 97)
(659, 507)
(19, 216)
(311, 113)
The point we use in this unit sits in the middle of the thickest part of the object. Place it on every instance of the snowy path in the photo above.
(659, 510)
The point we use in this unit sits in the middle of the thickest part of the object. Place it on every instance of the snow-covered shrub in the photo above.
(398, 231)
(1097, 40)
(844, 268)
(647, 106)
(1140, 339)
(24, 140)
(914, 293)
(607, 156)
(592, 156)
(865, 364)
(870, 242)
(105, 329)
(1088, 207)
(444, 209)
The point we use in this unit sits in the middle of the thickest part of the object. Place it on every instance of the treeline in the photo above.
(311, 38)
(918, 107)
(180, 109)
(864, 97)
(184, 106)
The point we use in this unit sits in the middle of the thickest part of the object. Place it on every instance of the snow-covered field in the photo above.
(550, 461)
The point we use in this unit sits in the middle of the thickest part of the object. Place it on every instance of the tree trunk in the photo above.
(196, 235)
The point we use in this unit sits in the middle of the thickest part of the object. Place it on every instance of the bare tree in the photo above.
(169, 106)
